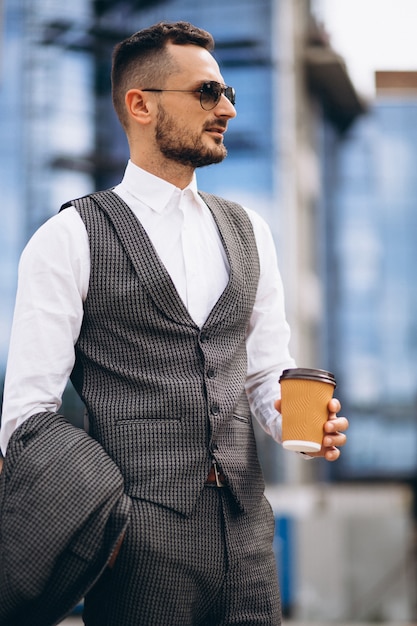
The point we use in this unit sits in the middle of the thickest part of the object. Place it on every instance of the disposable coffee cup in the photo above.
(305, 394)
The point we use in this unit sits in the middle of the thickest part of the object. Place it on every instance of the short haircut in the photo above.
(143, 61)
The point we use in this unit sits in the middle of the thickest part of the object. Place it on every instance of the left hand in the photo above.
(334, 429)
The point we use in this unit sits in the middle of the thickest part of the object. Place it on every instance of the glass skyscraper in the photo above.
(46, 110)
(60, 137)
(374, 258)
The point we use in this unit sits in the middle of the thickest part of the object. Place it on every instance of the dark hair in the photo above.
(142, 60)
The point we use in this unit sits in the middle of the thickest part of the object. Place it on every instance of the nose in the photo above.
(224, 108)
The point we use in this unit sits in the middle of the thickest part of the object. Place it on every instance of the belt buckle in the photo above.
(216, 473)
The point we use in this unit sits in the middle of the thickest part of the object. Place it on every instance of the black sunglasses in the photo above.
(210, 93)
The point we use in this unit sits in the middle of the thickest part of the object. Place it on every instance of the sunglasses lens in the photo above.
(210, 95)
(230, 94)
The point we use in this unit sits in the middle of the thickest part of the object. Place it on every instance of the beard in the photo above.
(187, 149)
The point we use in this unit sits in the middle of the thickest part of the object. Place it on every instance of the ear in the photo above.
(138, 106)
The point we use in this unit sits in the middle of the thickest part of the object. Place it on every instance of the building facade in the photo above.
(65, 139)
(374, 327)
(337, 188)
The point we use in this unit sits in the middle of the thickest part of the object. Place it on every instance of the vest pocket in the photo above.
(241, 418)
(148, 419)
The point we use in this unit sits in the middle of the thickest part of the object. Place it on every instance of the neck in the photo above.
(171, 171)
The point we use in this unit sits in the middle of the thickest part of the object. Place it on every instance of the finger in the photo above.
(334, 405)
(277, 405)
(336, 440)
(332, 454)
(336, 424)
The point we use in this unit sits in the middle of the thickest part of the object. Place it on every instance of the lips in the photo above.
(216, 133)
(216, 129)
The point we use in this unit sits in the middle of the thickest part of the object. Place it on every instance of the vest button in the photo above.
(211, 373)
(203, 337)
(215, 409)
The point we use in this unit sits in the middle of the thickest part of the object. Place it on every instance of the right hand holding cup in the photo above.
(309, 413)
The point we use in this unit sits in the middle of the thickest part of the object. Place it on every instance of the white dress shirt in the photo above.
(53, 282)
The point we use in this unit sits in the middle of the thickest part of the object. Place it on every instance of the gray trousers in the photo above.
(213, 568)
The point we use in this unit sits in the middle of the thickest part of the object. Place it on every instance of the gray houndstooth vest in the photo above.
(163, 396)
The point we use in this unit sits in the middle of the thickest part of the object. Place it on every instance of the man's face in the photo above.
(186, 145)
(184, 131)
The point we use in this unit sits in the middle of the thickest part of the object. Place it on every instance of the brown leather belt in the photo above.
(215, 478)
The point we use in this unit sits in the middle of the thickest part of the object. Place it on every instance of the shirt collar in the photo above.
(153, 191)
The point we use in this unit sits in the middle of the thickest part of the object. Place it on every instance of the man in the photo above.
(174, 304)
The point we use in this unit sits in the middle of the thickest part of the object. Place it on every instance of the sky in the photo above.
(371, 35)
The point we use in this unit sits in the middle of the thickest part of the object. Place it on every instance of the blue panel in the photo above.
(284, 549)
(375, 331)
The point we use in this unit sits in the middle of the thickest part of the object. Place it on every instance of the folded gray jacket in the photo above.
(62, 513)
